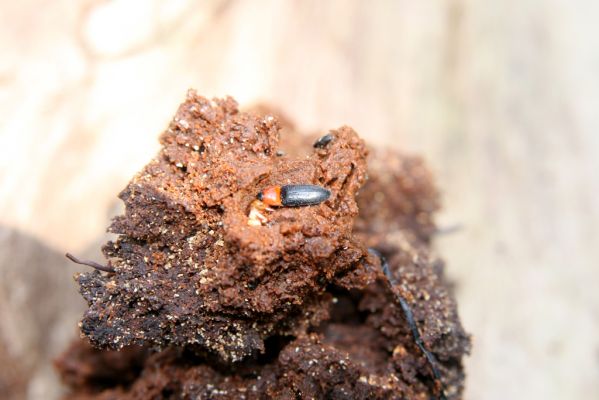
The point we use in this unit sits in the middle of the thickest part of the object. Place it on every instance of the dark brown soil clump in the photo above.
(296, 307)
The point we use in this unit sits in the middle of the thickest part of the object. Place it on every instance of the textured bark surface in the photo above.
(293, 306)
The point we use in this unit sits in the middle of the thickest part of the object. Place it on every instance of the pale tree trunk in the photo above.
(501, 97)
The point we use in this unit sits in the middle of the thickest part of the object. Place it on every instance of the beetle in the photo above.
(409, 316)
(284, 196)
(293, 195)
(323, 141)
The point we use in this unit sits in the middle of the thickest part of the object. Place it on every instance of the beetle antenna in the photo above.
(89, 263)
(409, 316)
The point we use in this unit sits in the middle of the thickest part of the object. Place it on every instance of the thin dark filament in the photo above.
(407, 311)
(89, 263)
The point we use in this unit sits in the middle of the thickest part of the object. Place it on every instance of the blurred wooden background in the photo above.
(501, 97)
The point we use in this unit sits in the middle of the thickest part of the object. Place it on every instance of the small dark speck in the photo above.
(323, 141)
(280, 153)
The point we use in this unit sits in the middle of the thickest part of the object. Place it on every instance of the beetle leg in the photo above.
(256, 216)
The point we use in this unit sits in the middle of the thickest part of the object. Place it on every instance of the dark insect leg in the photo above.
(407, 311)
(89, 263)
